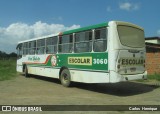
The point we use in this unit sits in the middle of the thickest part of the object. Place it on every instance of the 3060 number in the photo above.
(100, 61)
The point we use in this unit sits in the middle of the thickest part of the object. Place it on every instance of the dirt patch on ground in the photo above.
(47, 91)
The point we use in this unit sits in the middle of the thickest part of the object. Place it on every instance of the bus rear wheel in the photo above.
(65, 78)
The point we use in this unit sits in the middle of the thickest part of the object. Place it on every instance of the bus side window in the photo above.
(83, 42)
(100, 41)
(32, 47)
(25, 48)
(19, 51)
(51, 45)
(41, 46)
(65, 43)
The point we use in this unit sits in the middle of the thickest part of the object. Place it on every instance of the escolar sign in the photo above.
(80, 61)
(127, 61)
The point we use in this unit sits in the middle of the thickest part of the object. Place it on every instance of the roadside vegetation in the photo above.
(7, 69)
(151, 78)
(154, 77)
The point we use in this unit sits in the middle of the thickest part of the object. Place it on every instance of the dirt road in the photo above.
(47, 91)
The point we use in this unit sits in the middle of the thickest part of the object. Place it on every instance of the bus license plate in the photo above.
(133, 69)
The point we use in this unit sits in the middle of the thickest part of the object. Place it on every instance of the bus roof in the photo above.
(69, 31)
(85, 28)
(42, 37)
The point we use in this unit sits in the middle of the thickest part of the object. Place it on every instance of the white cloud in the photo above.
(129, 6)
(15, 32)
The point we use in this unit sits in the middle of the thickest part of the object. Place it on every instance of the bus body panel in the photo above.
(83, 61)
(85, 67)
(89, 77)
(118, 63)
(19, 68)
(133, 63)
(125, 63)
(42, 71)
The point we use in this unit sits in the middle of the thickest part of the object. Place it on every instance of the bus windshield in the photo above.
(131, 36)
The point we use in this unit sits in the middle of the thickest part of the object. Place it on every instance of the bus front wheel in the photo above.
(65, 78)
(26, 72)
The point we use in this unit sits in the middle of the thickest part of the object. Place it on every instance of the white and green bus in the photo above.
(102, 53)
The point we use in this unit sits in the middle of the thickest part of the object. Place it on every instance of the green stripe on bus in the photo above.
(88, 61)
(86, 28)
(92, 61)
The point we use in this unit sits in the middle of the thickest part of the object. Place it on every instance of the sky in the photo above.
(26, 19)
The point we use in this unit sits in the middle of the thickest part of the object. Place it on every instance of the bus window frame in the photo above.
(54, 45)
(69, 43)
(97, 40)
(41, 49)
(32, 47)
(84, 41)
(19, 51)
(25, 48)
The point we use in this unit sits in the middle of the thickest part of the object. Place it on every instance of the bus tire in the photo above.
(65, 78)
(26, 72)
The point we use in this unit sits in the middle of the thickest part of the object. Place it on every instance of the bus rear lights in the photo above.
(119, 61)
(118, 66)
(125, 71)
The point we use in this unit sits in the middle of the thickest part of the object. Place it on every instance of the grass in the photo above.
(151, 77)
(7, 69)
(154, 77)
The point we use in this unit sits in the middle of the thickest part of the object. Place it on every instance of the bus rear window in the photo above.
(131, 36)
